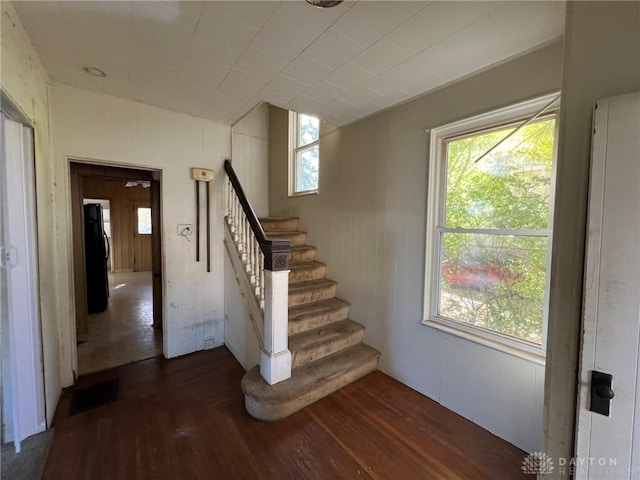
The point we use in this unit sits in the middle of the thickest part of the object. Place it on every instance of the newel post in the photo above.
(275, 358)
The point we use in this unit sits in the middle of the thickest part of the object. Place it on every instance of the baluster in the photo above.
(254, 266)
(229, 200)
(261, 271)
(245, 243)
(234, 219)
(250, 256)
(238, 228)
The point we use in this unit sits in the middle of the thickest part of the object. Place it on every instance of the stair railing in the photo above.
(266, 264)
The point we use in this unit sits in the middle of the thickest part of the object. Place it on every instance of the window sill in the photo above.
(304, 194)
(536, 358)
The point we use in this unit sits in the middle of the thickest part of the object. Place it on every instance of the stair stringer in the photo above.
(249, 299)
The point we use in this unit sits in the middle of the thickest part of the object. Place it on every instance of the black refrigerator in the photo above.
(96, 251)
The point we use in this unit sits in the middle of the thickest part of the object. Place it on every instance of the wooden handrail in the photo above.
(276, 252)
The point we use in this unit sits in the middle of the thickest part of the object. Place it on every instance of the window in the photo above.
(489, 226)
(144, 221)
(304, 138)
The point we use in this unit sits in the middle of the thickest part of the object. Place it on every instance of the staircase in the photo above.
(326, 347)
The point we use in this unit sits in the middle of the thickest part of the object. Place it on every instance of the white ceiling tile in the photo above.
(43, 21)
(361, 96)
(325, 91)
(219, 108)
(251, 13)
(422, 85)
(260, 64)
(438, 21)
(348, 76)
(215, 28)
(333, 49)
(390, 100)
(165, 19)
(528, 23)
(242, 111)
(308, 105)
(389, 82)
(283, 87)
(308, 20)
(231, 95)
(209, 57)
(280, 40)
(306, 70)
(240, 85)
(381, 56)
(425, 63)
(190, 88)
(198, 57)
(93, 23)
(367, 22)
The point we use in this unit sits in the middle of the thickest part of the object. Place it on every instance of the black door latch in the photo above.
(601, 393)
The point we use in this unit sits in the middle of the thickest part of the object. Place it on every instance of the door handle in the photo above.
(601, 392)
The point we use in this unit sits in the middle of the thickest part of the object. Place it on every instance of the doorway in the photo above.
(117, 268)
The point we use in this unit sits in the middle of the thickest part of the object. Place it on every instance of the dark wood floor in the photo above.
(185, 419)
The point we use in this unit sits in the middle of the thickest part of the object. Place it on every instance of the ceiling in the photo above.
(218, 60)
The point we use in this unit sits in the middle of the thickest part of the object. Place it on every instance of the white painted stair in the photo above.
(326, 346)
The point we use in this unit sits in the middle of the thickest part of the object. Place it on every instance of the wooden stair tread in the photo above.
(308, 264)
(298, 311)
(308, 383)
(324, 334)
(310, 285)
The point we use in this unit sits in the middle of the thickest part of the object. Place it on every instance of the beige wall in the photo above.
(106, 129)
(368, 223)
(602, 59)
(24, 80)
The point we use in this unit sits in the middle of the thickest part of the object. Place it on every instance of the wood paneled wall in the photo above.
(124, 201)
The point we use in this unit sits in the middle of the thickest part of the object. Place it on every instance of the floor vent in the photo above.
(95, 396)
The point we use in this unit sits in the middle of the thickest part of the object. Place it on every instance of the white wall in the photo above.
(24, 81)
(239, 335)
(250, 154)
(250, 157)
(602, 59)
(368, 223)
(91, 126)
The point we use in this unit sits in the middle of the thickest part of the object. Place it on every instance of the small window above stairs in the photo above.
(326, 346)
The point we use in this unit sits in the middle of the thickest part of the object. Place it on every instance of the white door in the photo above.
(23, 411)
(607, 447)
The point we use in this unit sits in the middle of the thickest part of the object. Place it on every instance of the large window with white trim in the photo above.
(490, 225)
(304, 156)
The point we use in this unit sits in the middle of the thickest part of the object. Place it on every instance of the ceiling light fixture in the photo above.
(324, 3)
(94, 72)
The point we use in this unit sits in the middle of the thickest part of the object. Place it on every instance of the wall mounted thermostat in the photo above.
(202, 174)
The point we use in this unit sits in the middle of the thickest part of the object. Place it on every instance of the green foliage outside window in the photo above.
(496, 279)
(307, 159)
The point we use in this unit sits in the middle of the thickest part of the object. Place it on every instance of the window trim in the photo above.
(435, 212)
(294, 149)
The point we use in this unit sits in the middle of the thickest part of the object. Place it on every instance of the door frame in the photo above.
(78, 169)
(25, 348)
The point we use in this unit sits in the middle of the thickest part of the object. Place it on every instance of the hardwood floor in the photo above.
(184, 419)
